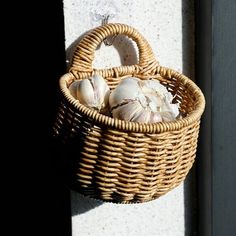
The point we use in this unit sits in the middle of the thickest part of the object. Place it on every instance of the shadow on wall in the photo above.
(81, 204)
(188, 46)
(128, 56)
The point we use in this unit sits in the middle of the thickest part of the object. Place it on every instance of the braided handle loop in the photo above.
(85, 50)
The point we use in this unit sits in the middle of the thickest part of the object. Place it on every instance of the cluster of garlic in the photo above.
(92, 92)
(146, 101)
(142, 101)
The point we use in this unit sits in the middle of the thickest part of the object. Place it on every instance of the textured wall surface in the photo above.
(168, 27)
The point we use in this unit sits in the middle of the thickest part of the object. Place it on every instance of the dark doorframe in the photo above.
(35, 60)
(203, 70)
(216, 75)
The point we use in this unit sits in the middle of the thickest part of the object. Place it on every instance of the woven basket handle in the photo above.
(85, 50)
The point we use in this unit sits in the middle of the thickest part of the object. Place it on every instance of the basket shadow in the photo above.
(190, 183)
(125, 47)
(128, 56)
(127, 51)
(81, 204)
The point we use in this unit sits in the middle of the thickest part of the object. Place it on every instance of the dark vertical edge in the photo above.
(203, 53)
(188, 52)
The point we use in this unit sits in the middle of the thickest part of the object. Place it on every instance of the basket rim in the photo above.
(130, 126)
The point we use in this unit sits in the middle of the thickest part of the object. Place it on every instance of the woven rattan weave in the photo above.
(121, 161)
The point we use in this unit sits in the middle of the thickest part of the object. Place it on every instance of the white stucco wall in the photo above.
(161, 23)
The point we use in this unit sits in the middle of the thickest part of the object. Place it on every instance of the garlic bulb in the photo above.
(145, 101)
(92, 92)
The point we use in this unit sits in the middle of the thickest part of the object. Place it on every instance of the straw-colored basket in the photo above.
(120, 161)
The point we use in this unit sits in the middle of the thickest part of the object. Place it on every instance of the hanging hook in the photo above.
(105, 19)
(107, 41)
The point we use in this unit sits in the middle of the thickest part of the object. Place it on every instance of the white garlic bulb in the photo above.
(145, 101)
(92, 92)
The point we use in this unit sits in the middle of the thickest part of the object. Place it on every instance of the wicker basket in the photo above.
(120, 161)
